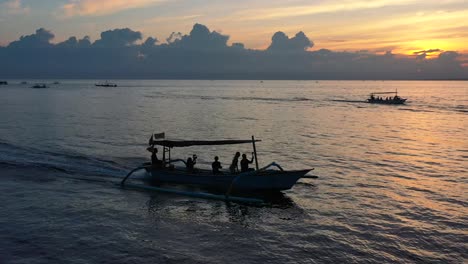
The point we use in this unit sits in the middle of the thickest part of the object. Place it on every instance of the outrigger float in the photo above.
(269, 179)
(394, 100)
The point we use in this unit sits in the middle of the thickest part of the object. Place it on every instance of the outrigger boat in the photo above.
(106, 84)
(266, 179)
(396, 100)
(39, 86)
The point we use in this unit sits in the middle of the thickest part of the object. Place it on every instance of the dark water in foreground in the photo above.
(392, 184)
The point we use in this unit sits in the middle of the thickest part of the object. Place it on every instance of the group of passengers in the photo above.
(381, 99)
(215, 166)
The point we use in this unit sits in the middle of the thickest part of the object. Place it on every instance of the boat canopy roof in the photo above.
(188, 143)
(385, 93)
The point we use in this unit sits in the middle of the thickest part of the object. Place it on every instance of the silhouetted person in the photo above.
(191, 163)
(216, 165)
(245, 163)
(234, 165)
(154, 159)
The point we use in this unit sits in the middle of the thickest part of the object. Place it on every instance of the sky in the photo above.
(377, 26)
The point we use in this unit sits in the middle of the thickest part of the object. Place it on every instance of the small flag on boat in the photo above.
(159, 135)
(150, 142)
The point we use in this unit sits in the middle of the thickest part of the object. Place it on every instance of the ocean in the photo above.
(392, 184)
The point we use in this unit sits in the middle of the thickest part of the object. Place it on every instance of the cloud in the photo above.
(281, 42)
(204, 54)
(305, 10)
(15, 7)
(150, 42)
(422, 54)
(175, 36)
(448, 57)
(118, 38)
(427, 51)
(171, 19)
(40, 39)
(73, 42)
(200, 38)
(102, 7)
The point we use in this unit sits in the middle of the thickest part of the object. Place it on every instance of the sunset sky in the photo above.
(401, 26)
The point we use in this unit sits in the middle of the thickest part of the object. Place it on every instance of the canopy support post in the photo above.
(255, 152)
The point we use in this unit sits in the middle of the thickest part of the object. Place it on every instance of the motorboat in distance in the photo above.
(393, 99)
(3, 83)
(271, 178)
(106, 84)
(39, 86)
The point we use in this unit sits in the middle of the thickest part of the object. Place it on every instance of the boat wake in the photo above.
(65, 162)
(228, 98)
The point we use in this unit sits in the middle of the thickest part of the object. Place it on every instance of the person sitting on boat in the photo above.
(191, 161)
(245, 163)
(216, 165)
(234, 168)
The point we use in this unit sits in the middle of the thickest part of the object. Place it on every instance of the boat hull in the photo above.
(267, 181)
(389, 102)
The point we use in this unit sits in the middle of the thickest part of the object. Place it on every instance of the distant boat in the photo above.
(3, 83)
(393, 100)
(24, 82)
(56, 82)
(39, 86)
(106, 84)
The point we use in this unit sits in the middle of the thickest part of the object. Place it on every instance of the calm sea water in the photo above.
(392, 187)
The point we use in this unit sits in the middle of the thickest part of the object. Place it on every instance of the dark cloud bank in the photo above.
(204, 54)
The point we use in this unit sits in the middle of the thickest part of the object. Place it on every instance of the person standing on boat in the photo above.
(191, 163)
(154, 158)
(245, 163)
(216, 165)
(234, 168)
(155, 162)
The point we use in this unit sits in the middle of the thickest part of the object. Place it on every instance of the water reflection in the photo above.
(167, 206)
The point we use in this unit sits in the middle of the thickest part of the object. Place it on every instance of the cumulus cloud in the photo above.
(118, 38)
(73, 42)
(150, 42)
(281, 42)
(40, 39)
(200, 38)
(449, 58)
(204, 54)
(102, 7)
(175, 36)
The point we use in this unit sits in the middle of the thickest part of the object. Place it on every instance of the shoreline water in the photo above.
(392, 186)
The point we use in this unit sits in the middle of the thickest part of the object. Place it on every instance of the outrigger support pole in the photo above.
(255, 152)
(131, 172)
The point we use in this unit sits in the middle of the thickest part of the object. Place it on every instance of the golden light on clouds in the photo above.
(400, 26)
(332, 7)
(102, 7)
(15, 7)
